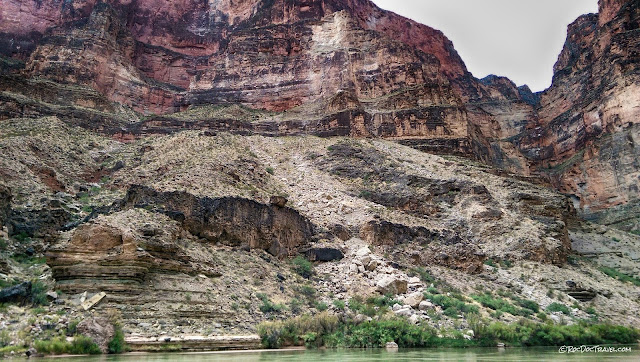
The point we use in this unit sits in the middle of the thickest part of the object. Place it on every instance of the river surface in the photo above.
(357, 355)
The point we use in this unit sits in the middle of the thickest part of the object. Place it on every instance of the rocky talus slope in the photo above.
(186, 158)
(192, 234)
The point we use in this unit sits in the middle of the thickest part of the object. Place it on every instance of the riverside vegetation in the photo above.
(371, 323)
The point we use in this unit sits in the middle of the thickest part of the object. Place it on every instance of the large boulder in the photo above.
(99, 329)
(392, 284)
(413, 299)
(20, 293)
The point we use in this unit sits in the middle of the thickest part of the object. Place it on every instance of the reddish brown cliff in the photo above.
(160, 57)
(332, 67)
(586, 137)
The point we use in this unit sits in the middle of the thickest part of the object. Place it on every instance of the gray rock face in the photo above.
(324, 254)
(20, 293)
(231, 221)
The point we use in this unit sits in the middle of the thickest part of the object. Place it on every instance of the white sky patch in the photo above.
(520, 39)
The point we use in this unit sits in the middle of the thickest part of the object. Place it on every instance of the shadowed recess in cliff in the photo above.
(229, 220)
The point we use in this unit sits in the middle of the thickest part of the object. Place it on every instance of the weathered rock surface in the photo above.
(99, 329)
(583, 133)
(391, 285)
(229, 221)
(20, 293)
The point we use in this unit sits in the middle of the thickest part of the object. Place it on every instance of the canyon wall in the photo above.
(332, 68)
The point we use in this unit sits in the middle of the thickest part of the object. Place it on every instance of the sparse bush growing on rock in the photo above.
(5, 340)
(339, 304)
(382, 301)
(321, 306)
(451, 305)
(22, 237)
(72, 328)
(302, 266)
(309, 292)
(558, 307)
(295, 305)
(502, 305)
(424, 275)
(268, 306)
(39, 293)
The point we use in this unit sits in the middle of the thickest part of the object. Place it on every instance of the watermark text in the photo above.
(592, 349)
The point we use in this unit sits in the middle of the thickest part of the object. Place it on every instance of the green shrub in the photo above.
(532, 334)
(502, 305)
(117, 343)
(327, 330)
(424, 275)
(369, 309)
(433, 290)
(452, 304)
(291, 331)
(72, 328)
(339, 304)
(528, 304)
(5, 339)
(270, 170)
(356, 304)
(54, 346)
(378, 333)
(302, 266)
(84, 345)
(382, 301)
(39, 293)
(451, 312)
(490, 263)
(268, 306)
(22, 237)
(17, 350)
(558, 307)
(309, 292)
(295, 305)
(365, 194)
(506, 263)
(321, 306)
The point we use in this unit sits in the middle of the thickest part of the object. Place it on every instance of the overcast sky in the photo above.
(520, 39)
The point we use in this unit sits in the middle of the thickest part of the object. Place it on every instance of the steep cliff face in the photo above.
(580, 134)
(586, 137)
(162, 57)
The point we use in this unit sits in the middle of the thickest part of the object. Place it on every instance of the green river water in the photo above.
(356, 355)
